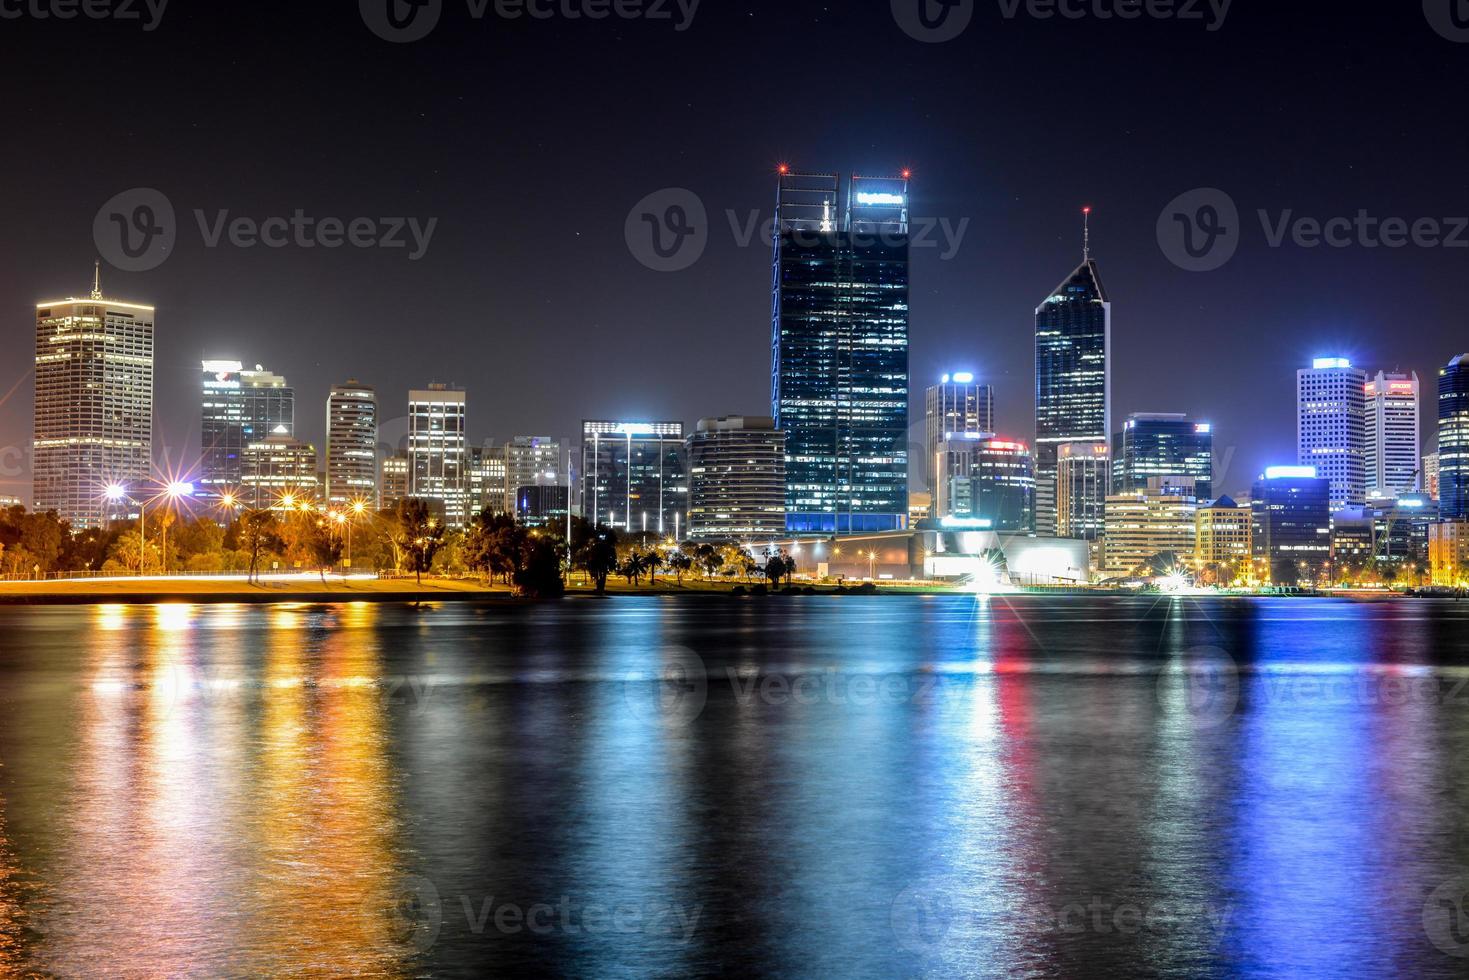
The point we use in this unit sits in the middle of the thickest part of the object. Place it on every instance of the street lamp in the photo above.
(117, 493)
(171, 494)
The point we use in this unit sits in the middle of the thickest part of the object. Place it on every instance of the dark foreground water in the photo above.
(818, 786)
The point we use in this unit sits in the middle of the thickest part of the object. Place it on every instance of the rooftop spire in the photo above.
(1086, 233)
(97, 280)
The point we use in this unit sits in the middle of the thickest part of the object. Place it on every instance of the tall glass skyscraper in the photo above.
(1331, 427)
(635, 476)
(1453, 439)
(438, 457)
(238, 408)
(1163, 444)
(1073, 377)
(94, 404)
(839, 351)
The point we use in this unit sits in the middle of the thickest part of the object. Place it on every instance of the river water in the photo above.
(797, 786)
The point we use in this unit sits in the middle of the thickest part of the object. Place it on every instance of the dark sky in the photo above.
(530, 140)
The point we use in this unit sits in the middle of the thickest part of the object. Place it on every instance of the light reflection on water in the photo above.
(845, 787)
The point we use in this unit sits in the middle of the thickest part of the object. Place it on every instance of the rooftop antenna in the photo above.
(1086, 234)
(97, 280)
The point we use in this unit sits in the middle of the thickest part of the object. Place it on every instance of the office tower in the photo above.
(954, 406)
(737, 479)
(542, 506)
(1448, 553)
(239, 407)
(396, 479)
(839, 345)
(1073, 372)
(1393, 436)
(277, 472)
(1331, 427)
(1225, 540)
(1154, 444)
(1292, 524)
(985, 482)
(635, 477)
(1083, 483)
(1430, 475)
(94, 405)
(1453, 439)
(486, 481)
(351, 444)
(437, 453)
(1152, 529)
(532, 461)
(1399, 529)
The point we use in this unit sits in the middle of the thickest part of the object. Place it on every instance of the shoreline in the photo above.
(130, 592)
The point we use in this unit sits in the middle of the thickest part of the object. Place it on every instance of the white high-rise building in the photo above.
(94, 405)
(532, 461)
(351, 444)
(1393, 434)
(1331, 427)
(437, 451)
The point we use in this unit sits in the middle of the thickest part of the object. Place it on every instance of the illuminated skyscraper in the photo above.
(839, 351)
(1331, 427)
(532, 461)
(94, 403)
(1073, 371)
(351, 444)
(239, 408)
(986, 480)
(1292, 524)
(277, 471)
(1083, 482)
(1453, 439)
(737, 479)
(437, 452)
(1393, 436)
(957, 405)
(635, 477)
(1163, 444)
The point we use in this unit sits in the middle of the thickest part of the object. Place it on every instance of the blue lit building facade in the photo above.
(839, 352)
(1155, 444)
(1073, 370)
(1292, 524)
(1453, 439)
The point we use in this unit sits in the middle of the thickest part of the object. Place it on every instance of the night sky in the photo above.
(530, 140)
